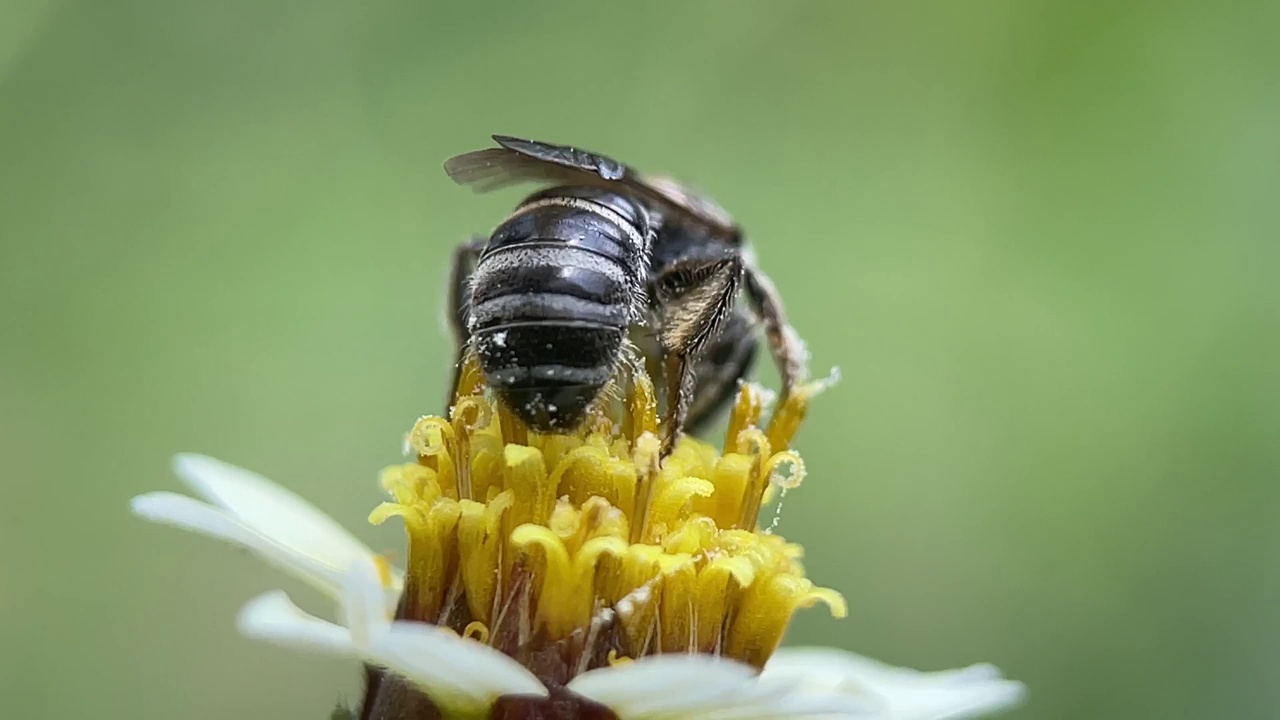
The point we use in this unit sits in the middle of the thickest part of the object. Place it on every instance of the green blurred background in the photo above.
(1039, 239)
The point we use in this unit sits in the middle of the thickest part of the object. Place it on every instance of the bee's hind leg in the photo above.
(784, 344)
(693, 295)
(722, 365)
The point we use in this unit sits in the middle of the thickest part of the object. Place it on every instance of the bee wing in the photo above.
(518, 161)
(690, 200)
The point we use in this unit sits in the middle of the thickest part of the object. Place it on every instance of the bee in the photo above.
(601, 260)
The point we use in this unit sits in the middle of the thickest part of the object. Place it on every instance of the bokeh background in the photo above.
(1038, 238)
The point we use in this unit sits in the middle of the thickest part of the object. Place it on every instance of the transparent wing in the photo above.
(689, 199)
(518, 161)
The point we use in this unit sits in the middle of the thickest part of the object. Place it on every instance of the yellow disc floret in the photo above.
(571, 551)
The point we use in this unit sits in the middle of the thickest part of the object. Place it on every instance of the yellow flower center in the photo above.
(573, 551)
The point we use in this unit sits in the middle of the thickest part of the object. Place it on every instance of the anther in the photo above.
(746, 412)
(430, 436)
(647, 456)
(794, 407)
(477, 631)
(753, 443)
(469, 415)
(514, 431)
(789, 479)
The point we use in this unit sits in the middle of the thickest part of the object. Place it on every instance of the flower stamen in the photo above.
(591, 542)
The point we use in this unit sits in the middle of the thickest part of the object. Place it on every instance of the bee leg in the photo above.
(678, 372)
(465, 257)
(788, 350)
(693, 296)
(724, 363)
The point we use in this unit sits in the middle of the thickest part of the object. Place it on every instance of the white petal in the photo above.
(792, 707)
(654, 685)
(459, 672)
(302, 540)
(902, 693)
(271, 510)
(761, 702)
(363, 605)
(191, 514)
(703, 687)
(274, 618)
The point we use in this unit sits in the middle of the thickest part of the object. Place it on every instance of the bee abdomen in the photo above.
(536, 281)
(548, 370)
(551, 299)
(607, 226)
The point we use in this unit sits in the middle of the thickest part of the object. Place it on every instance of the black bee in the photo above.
(602, 257)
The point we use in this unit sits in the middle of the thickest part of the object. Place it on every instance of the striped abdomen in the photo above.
(551, 299)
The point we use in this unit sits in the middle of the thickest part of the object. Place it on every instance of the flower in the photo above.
(571, 575)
